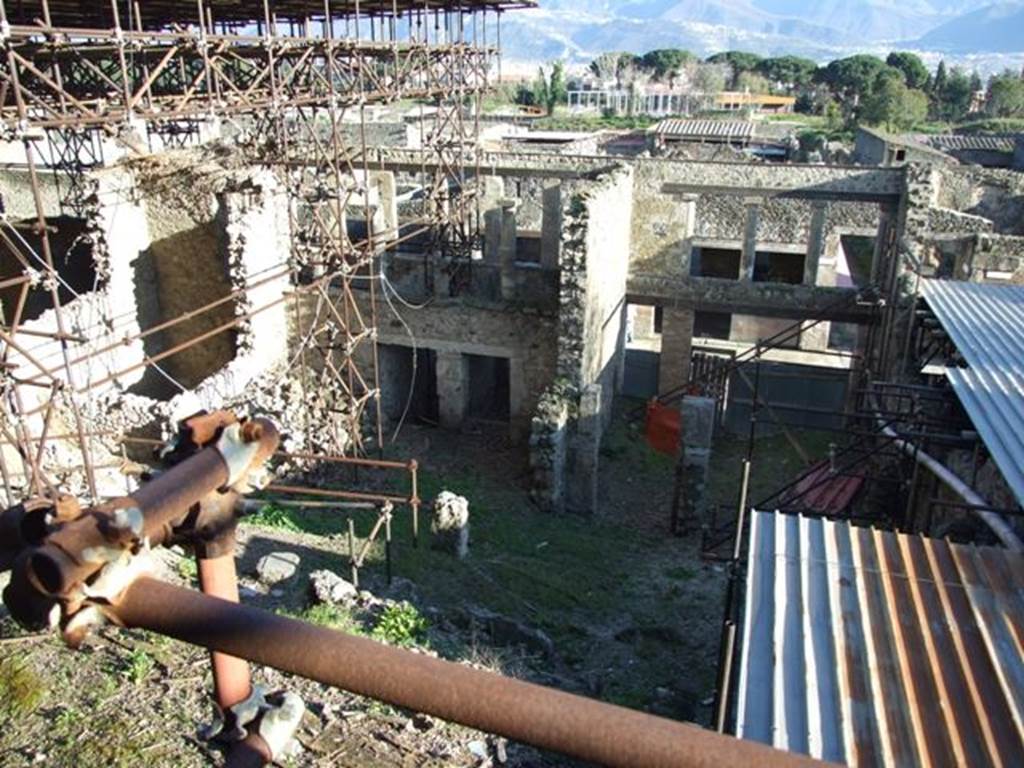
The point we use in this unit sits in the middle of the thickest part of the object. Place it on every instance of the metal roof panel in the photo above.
(868, 647)
(984, 322)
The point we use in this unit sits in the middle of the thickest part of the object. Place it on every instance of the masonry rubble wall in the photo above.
(595, 243)
(245, 233)
(716, 206)
(524, 335)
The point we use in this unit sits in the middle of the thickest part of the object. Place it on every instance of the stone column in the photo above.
(688, 203)
(507, 248)
(492, 192)
(386, 222)
(698, 430)
(551, 226)
(519, 420)
(676, 343)
(815, 242)
(753, 207)
(452, 388)
(886, 217)
(581, 483)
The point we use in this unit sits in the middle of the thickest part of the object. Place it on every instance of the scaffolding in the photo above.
(293, 80)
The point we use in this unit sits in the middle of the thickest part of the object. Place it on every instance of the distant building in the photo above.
(652, 99)
(659, 100)
(875, 147)
(755, 103)
(752, 138)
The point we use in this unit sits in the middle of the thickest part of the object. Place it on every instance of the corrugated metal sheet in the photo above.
(719, 130)
(823, 492)
(956, 143)
(872, 648)
(985, 322)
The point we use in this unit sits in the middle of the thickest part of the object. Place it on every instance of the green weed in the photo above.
(139, 665)
(401, 624)
(21, 689)
(271, 516)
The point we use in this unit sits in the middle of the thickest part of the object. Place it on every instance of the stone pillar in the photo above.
(747, 260)
(452, 388)
(698, 422)
(643, 321)
(886, 217)
(519, 421)
(815, 242)
(492, 191)
(507, 248)
(551, 226)
(676, 343)
(815, 337)
(688, 204)
(581, 483)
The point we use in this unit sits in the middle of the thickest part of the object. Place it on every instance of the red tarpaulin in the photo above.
(663, 425)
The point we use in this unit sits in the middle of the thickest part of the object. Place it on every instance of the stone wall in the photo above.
(715, 206)
(595, 244)
(246, 233)
(525, 336)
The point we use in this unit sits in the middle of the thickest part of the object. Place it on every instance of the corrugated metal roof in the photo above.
(824, 492)
(1001, 142)
(985, 323)
(872, 648)
(732, 130)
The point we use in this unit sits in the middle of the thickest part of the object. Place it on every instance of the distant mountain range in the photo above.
(820, 29)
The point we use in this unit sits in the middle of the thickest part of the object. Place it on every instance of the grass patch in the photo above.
(681, 573)
(138, 666)
(21, 689)
(110, 739)
(593, 123)
(330, 616)
(278, 518)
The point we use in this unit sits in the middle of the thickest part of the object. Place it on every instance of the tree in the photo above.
(664, 63)
(711, 78)
(613, 66)
(833, 116)
(740, 61)
(915, 73)
(788, 72)
(954, 101)
(539, 91)
(851, 79)
(941, 79)
(557, 91)
(1006, 95)
(753, 83)
(892, 104)
(606, 66)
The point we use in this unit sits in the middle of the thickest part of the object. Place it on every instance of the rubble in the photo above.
(450, 524)
(277, 567)
(328, 587)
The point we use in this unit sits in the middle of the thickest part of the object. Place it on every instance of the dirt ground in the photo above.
(608, 606)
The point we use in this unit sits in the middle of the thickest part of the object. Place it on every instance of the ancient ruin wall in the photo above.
(566, 432)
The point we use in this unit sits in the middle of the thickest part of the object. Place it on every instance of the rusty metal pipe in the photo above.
(61, 564)
(546, 718)
(232, 682)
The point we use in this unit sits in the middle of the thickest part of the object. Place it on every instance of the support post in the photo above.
(676, 346)
(749, 256)
(815, 242)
